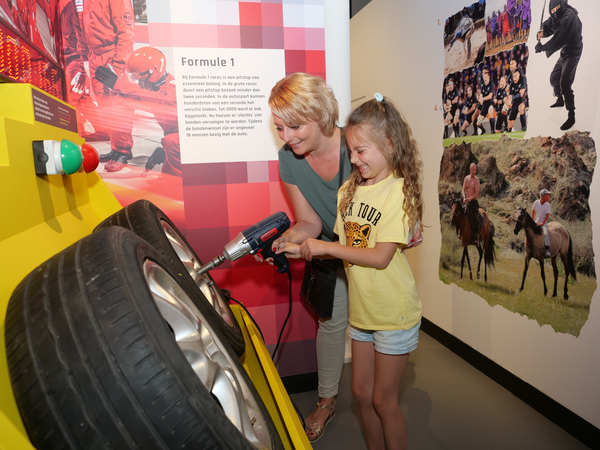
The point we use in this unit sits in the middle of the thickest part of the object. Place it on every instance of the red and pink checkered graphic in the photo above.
(222, 199)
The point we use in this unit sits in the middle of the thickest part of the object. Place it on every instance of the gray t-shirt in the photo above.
(320, 194)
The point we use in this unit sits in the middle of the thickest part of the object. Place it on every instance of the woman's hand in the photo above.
(259, 258)
(277, 244)
(280, 241)
(289, 249)
(281, 245)
(414, 239)
(314, 247)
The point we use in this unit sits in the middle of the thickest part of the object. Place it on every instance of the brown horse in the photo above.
(461, 221)
(560, 242)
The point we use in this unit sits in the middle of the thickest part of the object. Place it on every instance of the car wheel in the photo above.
(149, 222)
(107, 348)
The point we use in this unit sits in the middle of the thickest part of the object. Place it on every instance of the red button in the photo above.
(90, 158)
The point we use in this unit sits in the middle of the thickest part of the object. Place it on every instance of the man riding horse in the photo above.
(470, 193)
(536, 244)
(541, 214)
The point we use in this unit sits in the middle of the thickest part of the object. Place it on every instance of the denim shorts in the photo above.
(388, 342)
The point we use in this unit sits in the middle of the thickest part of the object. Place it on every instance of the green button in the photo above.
(71, 156)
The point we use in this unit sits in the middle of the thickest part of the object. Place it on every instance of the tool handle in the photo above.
(281, 261)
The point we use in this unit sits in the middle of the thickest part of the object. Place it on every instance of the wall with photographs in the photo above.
(467, 77)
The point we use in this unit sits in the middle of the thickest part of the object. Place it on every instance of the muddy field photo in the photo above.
(458, 57)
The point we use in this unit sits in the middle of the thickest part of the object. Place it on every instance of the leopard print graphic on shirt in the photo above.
(357, 235)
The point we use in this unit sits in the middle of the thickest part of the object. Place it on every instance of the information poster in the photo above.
(222, 101)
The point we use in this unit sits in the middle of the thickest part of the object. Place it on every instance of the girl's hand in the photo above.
(312, 248)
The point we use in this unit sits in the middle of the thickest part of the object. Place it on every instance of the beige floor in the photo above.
(447, 404)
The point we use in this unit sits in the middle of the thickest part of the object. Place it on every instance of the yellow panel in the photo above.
(16, 102)
(3, 145)
(12, 437)
(40, 217)
(262, 371)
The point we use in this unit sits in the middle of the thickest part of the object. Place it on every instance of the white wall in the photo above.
(397, 49)
(337, 52)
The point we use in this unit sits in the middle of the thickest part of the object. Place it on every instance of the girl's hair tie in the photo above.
(378, 97)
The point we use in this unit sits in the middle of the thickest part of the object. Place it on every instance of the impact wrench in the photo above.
(258, 237)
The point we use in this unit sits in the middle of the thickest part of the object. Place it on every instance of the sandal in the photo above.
(314, 428)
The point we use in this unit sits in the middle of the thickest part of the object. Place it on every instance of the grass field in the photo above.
(504, 282)
(484, 137)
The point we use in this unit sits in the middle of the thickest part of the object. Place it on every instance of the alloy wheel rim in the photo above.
(211, 362)
(204, 283)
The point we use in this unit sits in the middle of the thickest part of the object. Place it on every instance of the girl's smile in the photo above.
(369, 160)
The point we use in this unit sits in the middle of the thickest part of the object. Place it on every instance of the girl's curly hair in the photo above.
(381, 123)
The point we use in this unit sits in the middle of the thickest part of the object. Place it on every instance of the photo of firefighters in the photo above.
(124, 91)
(515, 214)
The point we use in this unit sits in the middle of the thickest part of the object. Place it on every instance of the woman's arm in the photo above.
(377, 257)
(308, 223)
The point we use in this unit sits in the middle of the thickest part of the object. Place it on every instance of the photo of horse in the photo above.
(485, 246)
(561, 245)
(511, 174)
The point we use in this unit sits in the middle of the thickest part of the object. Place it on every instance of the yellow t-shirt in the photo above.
(380, 299)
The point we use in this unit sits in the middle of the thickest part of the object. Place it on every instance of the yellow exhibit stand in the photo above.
(44, 214)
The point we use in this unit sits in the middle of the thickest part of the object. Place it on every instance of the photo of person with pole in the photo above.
(564, 27)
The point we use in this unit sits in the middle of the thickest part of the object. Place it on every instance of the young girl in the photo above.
(377, 206)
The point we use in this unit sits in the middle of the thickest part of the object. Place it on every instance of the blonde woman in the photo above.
(312, 164)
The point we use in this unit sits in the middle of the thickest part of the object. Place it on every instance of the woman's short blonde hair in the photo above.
(300, 98)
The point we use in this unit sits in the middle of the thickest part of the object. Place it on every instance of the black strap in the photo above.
(341, 171)
(340, 175)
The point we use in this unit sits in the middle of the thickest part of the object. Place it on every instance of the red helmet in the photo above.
(147, 65)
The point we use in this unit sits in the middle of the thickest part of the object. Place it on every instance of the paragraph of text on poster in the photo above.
(221, 106)
(222, 103)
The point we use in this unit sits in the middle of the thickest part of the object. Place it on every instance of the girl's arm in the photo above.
(377, 257)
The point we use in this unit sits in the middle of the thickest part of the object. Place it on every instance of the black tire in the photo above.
(106, 349)
(149, 222)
